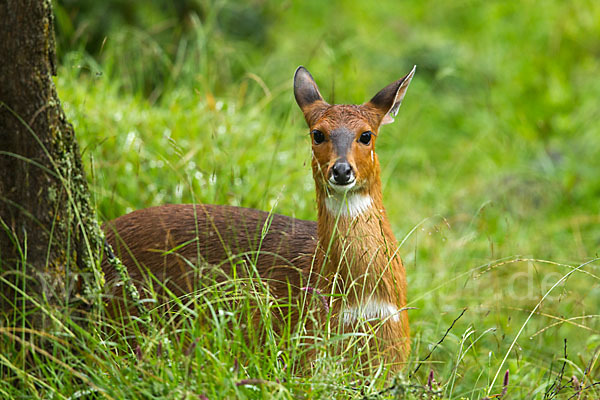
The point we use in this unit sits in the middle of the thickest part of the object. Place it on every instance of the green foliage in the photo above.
(490, 177)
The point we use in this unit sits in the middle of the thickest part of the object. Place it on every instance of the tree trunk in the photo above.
(49, 236)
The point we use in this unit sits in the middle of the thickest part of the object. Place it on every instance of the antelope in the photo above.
(349, 254)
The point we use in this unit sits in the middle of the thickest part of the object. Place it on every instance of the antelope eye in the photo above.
(365, 137)
(318, 136)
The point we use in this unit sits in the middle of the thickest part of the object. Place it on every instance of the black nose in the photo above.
(342, 172)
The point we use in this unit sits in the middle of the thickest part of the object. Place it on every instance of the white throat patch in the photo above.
(373, 309)
(352, 206)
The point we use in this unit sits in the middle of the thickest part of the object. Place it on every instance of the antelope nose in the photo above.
(342, 172)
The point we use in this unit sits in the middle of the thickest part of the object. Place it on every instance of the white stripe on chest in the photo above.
(373, 309)
(353, 205)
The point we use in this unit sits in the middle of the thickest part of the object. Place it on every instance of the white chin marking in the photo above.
(341, 188)
(373, 309)
(352, 206)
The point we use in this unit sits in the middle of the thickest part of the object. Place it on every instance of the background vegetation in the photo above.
(490, 173)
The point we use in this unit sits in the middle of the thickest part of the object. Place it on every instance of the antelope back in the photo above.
(179, 243)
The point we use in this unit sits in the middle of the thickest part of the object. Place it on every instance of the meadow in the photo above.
(490, 178)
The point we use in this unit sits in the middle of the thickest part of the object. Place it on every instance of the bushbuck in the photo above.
(349, 256)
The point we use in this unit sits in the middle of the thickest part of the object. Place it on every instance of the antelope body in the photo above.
(349, 253)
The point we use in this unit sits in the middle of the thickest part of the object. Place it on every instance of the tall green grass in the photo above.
(490, 177)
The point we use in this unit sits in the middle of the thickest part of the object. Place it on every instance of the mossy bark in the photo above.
(49, 236)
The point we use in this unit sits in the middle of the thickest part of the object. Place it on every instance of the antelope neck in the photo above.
(359, 247)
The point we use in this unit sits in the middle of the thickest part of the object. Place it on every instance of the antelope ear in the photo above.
(308, 96)
(387, 102)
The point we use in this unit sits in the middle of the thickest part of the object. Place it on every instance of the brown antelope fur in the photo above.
(217, 235)
(350, 253)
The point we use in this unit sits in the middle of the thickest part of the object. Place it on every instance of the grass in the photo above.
(489, 172)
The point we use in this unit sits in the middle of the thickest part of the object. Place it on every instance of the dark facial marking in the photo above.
(342, 139)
